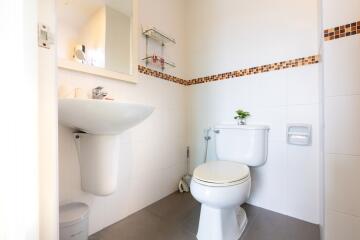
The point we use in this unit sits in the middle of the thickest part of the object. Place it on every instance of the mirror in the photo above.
(97, 37)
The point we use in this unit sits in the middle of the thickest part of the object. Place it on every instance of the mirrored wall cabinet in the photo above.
(98, 37)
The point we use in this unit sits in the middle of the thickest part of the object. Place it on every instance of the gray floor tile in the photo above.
(251, 213)
(176, 217)
(269, 225)
(134, 227)
(175, 232)
(191, 221)
(175, 207)
(265, 227)
(299, 230)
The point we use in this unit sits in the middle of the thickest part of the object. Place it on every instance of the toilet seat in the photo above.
(221, 173)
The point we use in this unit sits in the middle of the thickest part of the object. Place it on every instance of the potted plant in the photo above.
(241, 116)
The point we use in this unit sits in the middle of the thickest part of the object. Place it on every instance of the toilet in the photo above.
(222, 185)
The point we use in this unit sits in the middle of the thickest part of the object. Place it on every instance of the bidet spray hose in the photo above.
(207, 139)
(188, 159)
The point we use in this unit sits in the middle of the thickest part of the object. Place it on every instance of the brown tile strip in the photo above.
(157, 74)
(256, 70)
(342, 31)
(234, 74)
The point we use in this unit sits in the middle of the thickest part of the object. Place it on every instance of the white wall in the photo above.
(226, 35)
(342, 117)
(157, 13)
(229, 35)
(19, 199)
(153, 155)
(48, 135)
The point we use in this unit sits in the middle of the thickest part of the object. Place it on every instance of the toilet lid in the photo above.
(220, 172)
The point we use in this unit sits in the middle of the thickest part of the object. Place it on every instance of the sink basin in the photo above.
(102, 117)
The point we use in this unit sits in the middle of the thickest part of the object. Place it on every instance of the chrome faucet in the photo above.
(97, 93)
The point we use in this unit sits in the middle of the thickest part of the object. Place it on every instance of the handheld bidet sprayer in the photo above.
(207, 138)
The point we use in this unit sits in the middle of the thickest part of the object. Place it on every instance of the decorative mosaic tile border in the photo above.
(342, 31)
(234, 74)
(157, 74)
(329, 34)
(260, 69)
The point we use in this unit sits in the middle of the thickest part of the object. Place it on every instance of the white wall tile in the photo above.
(336, 13)
(341, 77)
(269, 89)
(68, 165)
(226, 36)
(302, 167)
(342, 132)
(275, 118)
(233, 92)
(170, 178)
(342, 178)
(141, 190)
(342, 116)
(341, 226)
(302, 183)
(341, 129)
(268, 184)
(304, 114)
(303, 85)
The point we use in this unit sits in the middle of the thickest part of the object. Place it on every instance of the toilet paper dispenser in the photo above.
(299, 134)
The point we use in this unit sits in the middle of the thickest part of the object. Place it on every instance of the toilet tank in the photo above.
(247, 144)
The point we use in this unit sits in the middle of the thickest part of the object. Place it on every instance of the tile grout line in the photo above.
(343, 213)
(343, 154)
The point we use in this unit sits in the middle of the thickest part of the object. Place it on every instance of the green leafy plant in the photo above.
(241, 116)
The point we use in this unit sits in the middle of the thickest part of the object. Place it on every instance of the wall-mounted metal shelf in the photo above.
(155, 34)
(162, 38)
(149, 61)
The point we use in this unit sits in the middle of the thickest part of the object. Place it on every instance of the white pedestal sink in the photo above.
(97, 124)
(101, 116)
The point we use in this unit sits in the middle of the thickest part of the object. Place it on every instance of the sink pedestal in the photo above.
(100, 121)
(99, 157)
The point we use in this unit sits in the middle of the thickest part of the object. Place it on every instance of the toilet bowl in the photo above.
(221, 187)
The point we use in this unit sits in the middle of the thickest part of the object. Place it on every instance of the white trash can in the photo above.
(74, 221)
